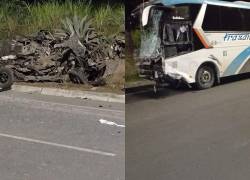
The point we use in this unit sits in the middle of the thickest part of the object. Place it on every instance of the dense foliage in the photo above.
(22, 17)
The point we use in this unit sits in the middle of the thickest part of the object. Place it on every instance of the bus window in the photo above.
(169, 31)
(211, 23)
(231, 19)
(246, 14)
(150, 37)
(227, 19)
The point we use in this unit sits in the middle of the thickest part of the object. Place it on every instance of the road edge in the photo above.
(138, 86)
(137, 89)
(97, 96)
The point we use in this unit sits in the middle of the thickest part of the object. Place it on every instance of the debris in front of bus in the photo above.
(77, 55)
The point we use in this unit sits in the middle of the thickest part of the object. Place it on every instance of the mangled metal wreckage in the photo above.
(62, 57)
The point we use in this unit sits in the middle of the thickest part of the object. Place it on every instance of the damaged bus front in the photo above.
(167, 32)
(186, 41)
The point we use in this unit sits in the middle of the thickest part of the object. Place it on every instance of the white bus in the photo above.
(194, 41)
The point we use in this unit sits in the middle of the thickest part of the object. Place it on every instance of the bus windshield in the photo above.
(157, 31)
(150, 39)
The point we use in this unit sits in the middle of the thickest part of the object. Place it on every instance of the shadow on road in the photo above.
(232, 79)
(148, 91)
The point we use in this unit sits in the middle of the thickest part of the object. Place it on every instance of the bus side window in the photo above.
(231, 19)
(246, 15)
(211, 23)
(228, 19)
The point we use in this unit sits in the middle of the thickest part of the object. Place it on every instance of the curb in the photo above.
(98, 96)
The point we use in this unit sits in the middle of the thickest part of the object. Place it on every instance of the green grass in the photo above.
(132, 44)
(131, 71)
(18, 18)
(109, 19)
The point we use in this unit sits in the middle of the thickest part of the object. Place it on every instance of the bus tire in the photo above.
(6, 78)
(205, 77)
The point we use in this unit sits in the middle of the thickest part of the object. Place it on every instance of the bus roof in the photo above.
(239, 4)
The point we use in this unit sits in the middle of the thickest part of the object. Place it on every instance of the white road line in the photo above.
(63, 104)
(58, 145)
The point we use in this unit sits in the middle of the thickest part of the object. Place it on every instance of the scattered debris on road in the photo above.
(110, 123)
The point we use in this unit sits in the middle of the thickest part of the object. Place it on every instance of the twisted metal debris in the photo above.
(77, 54)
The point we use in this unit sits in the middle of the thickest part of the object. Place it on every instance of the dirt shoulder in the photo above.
(71, 86)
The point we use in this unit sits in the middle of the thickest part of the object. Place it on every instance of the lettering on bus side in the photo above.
(236, 37)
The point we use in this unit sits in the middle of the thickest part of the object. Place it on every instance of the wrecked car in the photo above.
(183, 42)
(53, 58)
(76, 53)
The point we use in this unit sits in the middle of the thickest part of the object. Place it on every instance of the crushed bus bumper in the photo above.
(162, 72)
(174, 73)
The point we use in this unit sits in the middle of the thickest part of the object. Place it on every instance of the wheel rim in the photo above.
(3, 77)
(206, 77)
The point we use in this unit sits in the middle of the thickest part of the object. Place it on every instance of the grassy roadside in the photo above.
(131, 71)
(133, 44)
(20, 18)
(132, 77)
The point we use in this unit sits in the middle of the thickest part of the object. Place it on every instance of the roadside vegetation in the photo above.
(107, 18)
(17, 17)
(133, 43)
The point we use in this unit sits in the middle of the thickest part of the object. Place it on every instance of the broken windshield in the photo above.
(152, 33)
(150, 39)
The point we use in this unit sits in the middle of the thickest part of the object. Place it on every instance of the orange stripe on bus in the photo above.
(203, 41)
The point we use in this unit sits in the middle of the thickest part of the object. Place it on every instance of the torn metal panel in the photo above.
(61, 57)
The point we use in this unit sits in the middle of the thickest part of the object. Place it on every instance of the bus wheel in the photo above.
(205, 77)
(6, 78)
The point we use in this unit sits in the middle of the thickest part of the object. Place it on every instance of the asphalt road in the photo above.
(189, 135)
(54, 138)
